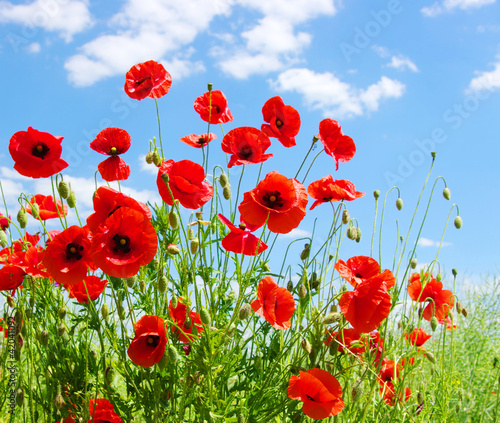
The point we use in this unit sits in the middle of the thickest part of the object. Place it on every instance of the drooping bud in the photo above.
(306, 346)
(357, 391)
(447, 193)
(173, 218)
(430, 357)
(10, 301)
(149, 157)
(105, 311)
(156, 158)
(172, 353)
(304, 255)
(376, 194)
(71, 200)
(434, 323)
(131, 281)
(174, 301)
(63, 189)
(245, 311)
(302, 291)
(439, 277)
(358, 234)
(464, 312)
(226, 192)
(459, 307)
(315, 281)
(289, 286)
(413, 263)
(345, 217)
(205, 317)
(458, 222)
(22, 218)
(223, 180)
(3, 238)
(194, 245)
(190, 234)
(399, 203)
(162, 284)
(35, 210)
(352, 233)
(173, 249)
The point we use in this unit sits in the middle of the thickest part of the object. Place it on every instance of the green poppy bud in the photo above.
(10, 301)
(173, 218)
(306, 346)
(376, 194)
(205, 317)
(345, 217)
(61, 312)
(163, 362)
(430, 357)
(439, 277)
(302, 291)
(19, 397)
(63, 189)
(172, 353)
(458, 222)
(447, 193)
(109, 375)
(245, 311)
(174, 301)
(357, 391)
(289, 286)
(59, 402)
(105, 311)
(194, 245)
(61, 330)
(173, 249)
(464, 311)
(71, 200)
(331, 317)
(413, 263)
(352, 233)
(223, 180)
(156, 158)
(434, 323)
(149, 157)
(459, 307)
(454, 272)
(35, 210)
(3, 238)
(226, 192)
(131, 281)
(22, 218)
(162, 284)
(44, 338)
(358, 234)
(420, 397)
(304, 255)
(190, 234)
(399, 203)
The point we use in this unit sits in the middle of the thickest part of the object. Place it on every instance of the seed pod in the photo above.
(223, 180)
(245, 311)
(376, 193)
(149, 157)
(173, 218)
(430, 357)
(173, 249)
(304, 255)
(131, 281)
(105, 311)
(162, 283)
(63, 189)
(205, 317)
(399, 203)
(447, 193)
(199, 215)
(458, 222)
(345, 217)
(357, 391)
(434, 323)
(352, 233)
(302, 291)
(413, 263)
(358, 234)
(454, 272)
(71, 200)
(22, 218)
(172, 353)
(306, 346)
(433, 154)
(194, 245)
(156, 158)
(226, 192)
(109, 375)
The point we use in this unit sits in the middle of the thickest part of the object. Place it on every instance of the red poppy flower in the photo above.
(67, 257)
(418, 337)
(339, 146)
(47, 208)
(11, 277)
(218, 112)
(241, 240)
(4, 222)
(246, 145)
(440, 301)
(283, 200)
(328, 190)
(186, 180)
(102, 411)
(178, 315)
(95, 287)
(106, 201)
(20, 245)
(344, 338)
(4, 327)
(30, 261)
(284, 121)
(125, 242)
(274, 303)
(320, 392)
(112, 142)
(367, 306)
(198, 141)
(148, 79)
(36, 154)
(387, 377)
(148, 346)
(361, 268)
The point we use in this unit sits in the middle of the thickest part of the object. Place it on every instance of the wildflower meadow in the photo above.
(187, 310)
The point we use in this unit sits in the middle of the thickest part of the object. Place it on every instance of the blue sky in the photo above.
(402, 78)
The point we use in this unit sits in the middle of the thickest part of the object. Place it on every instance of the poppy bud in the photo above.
(306, 346)
(413, 263)
(464, 312)
(131, 281)
(105, 311)
(61, 330)
(345, 217)
(289, 286)
(194, 245)
(109, 375)
(265, 267)
(343, 288)
(173, 249)
(59, 402)
(223, 180)
(10, 301)
(439, 277)
(156, 158)
(20, 397)
(149, 157)
(334, 347)
(352, 233)
(162, 283)
(172, 353)
(458, 222)
(447, 193)
(302, 291)
(459, 307)
(454, 272)
(245, 311)
(163, 362)
(430, 357)
(230, 330)
(71, 200)
(44, 338)
(174, 301)
(357, 391)
(209, 86)
(61, 312)
(3, 238)
(22, 218)
(358, 234)
(63, 189)
(331, 318)
(315, 283)
(35, 211)
(433, 154)
(121, 311)
(434, 323)
(205, 317)
(376, 193)
(142, 285)
(226, 192)
(420, 312)
(305, 252)
(190, 234)
(399, 203)
(173, 218)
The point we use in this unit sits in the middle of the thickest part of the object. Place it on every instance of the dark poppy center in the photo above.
(326, 199)
(74, 251)
(202, 141)
(310, 398)
(359, 275)
(122, 244)
(273, 200)
(153, 340)
(217, 108)
(279, 123)
(242, 226)
(245, 152)
(141, 81)
(40, 150)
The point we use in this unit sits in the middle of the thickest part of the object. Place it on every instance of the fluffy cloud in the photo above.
(65, 17)
(402, 63)
(426, 242)
(326, 92)
(449, 5)
(487, 80)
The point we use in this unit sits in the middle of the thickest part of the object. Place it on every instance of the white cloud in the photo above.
(450, 5)
(65, 17)
(486, 80)
(297, 233)
(144, 30)
(33, 48)
(381, 51)
(401, 62)
(426, 242)
(326, 92)
(146, 167)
